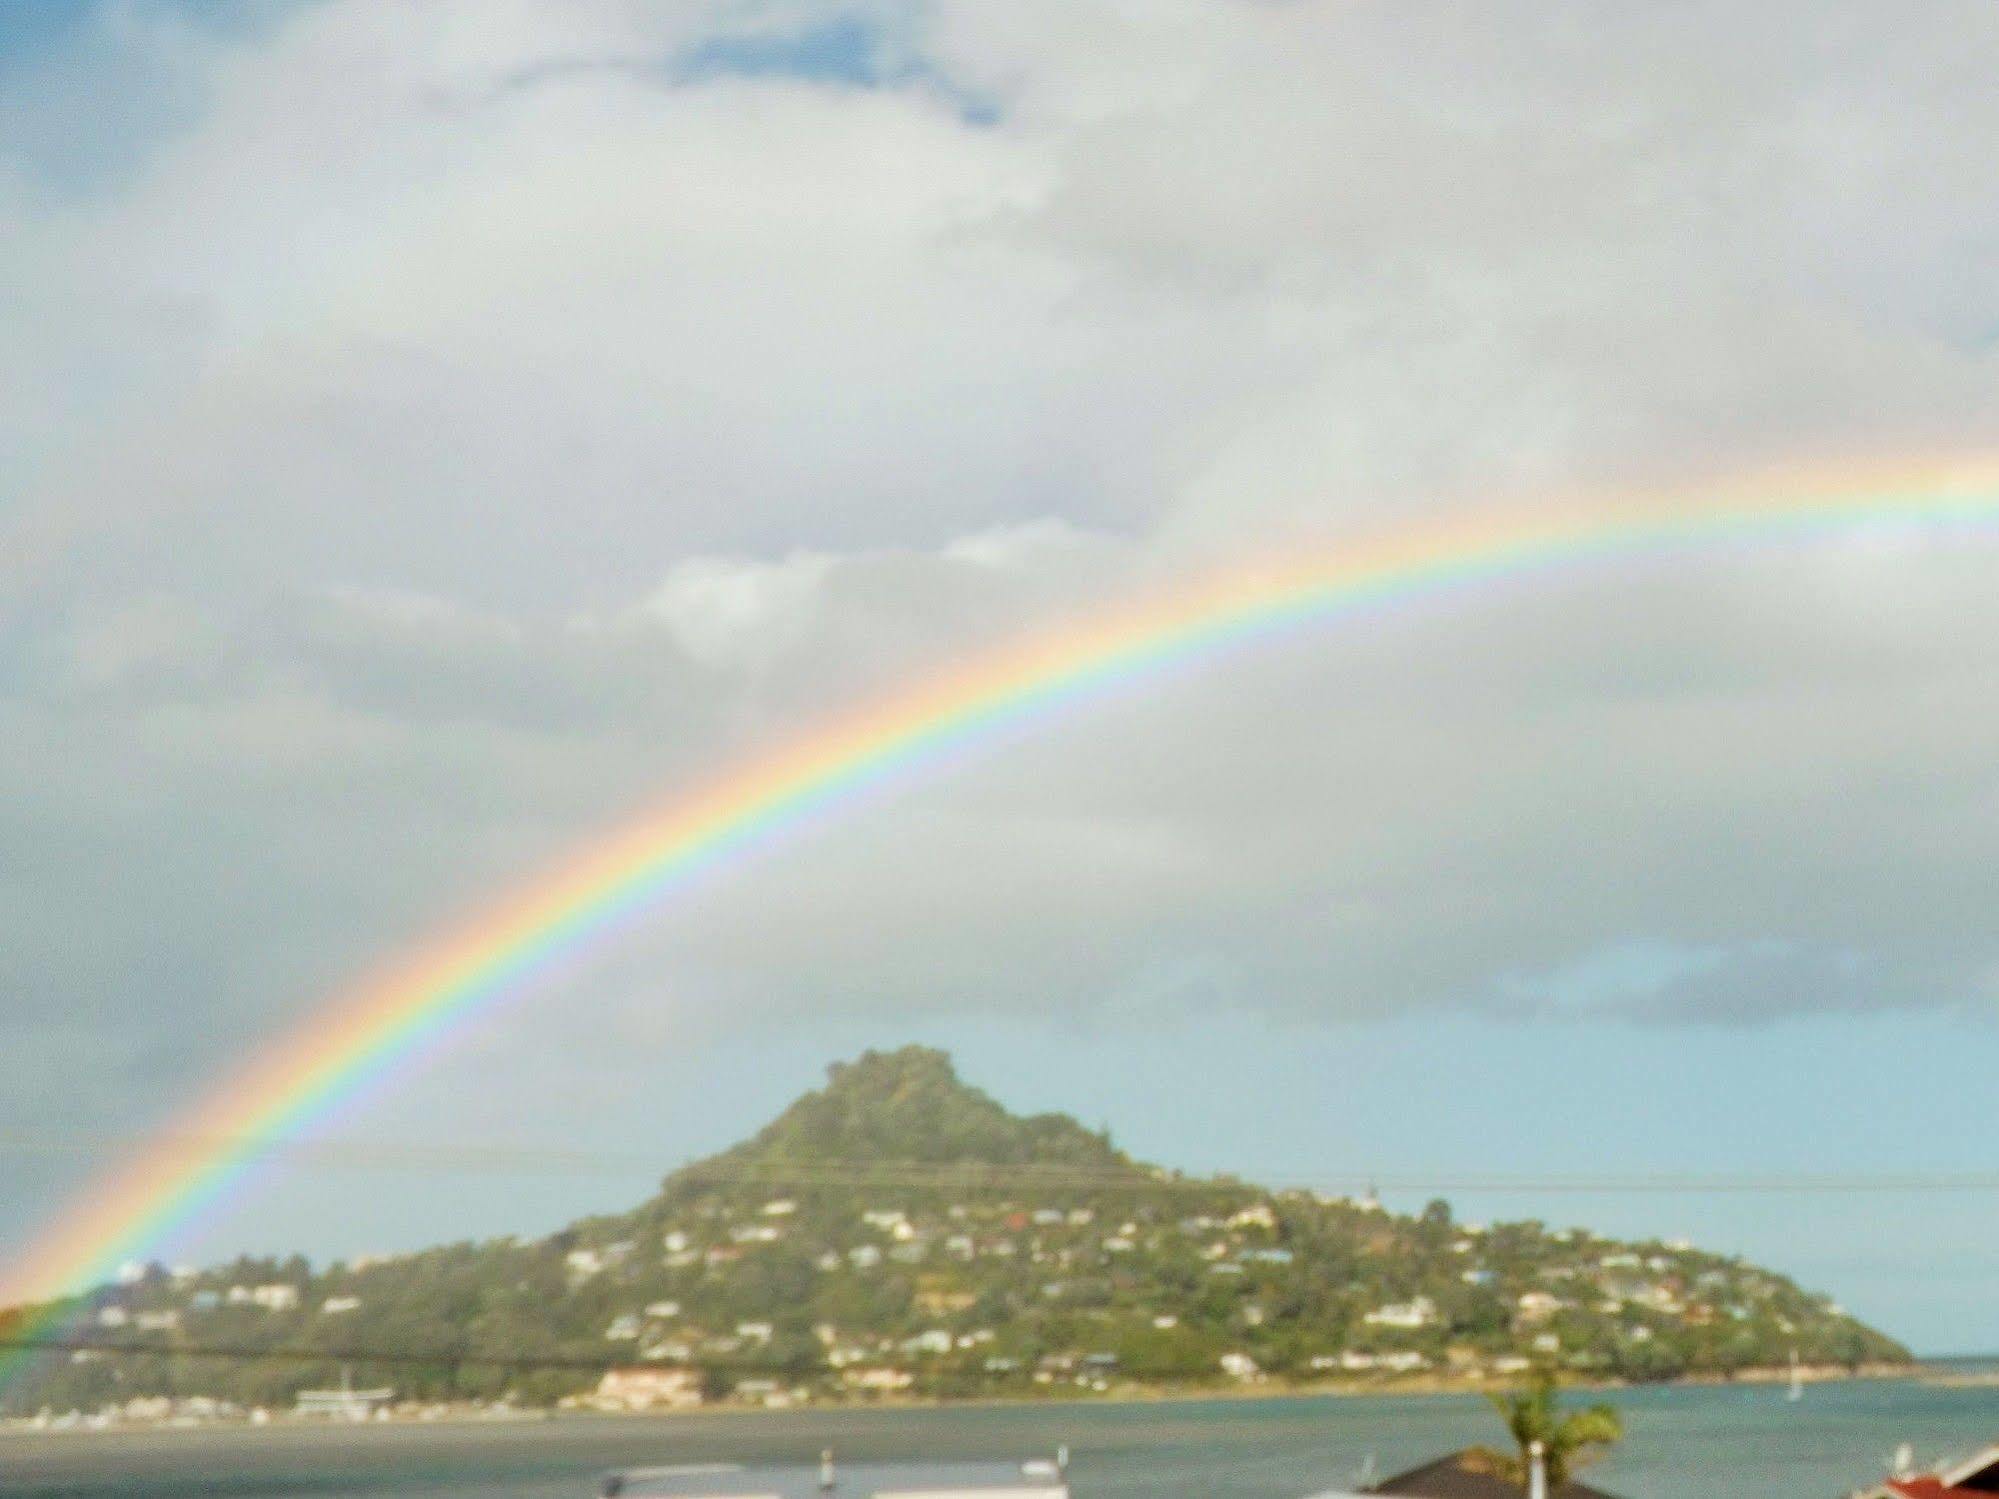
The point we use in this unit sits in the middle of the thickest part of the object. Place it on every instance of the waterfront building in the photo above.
(345, 1403)
(647, 1390)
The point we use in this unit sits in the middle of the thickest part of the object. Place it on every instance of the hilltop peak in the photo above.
(904, 1067)
(910, 1105)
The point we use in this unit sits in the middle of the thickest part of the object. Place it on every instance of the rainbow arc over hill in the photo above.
(356, 1041)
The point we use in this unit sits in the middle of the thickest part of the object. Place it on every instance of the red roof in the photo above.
(1929, 1486)
(1956, 1479)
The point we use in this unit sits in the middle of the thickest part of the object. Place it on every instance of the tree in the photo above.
(1568, 1438)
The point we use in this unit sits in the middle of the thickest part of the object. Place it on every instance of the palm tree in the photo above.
(1567, 1438)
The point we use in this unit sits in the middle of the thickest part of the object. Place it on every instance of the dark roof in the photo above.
(1453, 1477)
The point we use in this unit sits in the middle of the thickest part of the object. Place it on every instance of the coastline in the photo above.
(1132, 1395)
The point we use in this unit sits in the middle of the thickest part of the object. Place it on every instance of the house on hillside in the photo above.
(1418, 1311)
(1464, 1475)
(1971, 1479)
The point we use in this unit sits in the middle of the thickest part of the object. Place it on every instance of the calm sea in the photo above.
(1720, 1443)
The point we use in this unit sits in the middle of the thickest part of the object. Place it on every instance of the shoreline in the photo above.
(1419, 1387)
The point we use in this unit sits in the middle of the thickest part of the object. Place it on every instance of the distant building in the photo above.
(1240, 1366)
(343, 1404)
(648, 1390)
(1419, 1311)
(1537, 1306)
(883, 1380)
(1353, 1361)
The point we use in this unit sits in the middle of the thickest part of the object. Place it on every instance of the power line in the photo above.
(527, 1362)
(512, 1160)
(298, 1353)
(835, 1174)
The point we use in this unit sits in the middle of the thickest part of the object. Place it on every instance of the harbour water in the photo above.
(1720, 1442)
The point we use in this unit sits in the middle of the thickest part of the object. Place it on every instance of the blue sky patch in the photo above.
(850, 51)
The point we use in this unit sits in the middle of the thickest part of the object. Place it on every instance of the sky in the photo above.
(430, 433)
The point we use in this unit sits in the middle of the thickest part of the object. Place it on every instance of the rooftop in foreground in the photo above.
(1461, 1476)
(1030, 1480)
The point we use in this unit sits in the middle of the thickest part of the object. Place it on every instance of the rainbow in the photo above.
(355, 1041)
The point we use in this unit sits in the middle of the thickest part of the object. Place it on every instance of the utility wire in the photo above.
(556, 1161)
(404, 1357)
(298, 1353)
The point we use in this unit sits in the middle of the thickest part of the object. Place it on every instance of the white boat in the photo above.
(1797, 1389)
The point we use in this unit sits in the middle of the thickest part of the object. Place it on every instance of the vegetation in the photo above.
(900, 1233)
(1568, 1439)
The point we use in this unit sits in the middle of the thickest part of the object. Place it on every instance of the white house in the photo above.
(1240, 1366)
(1419, 1311)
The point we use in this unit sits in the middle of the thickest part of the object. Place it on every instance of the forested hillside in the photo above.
(898, 1233)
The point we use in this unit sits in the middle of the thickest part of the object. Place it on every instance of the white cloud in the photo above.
(725, 611)
(451, 426)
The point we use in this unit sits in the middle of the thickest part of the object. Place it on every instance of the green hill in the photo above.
(898, 1232)
(909, 1107)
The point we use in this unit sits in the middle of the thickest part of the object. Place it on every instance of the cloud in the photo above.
(450, 427)
(721, 609)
